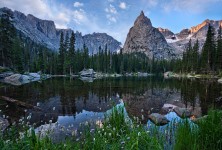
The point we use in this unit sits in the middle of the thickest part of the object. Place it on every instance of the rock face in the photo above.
(194, 33)
(143, 37)
(166, 32)
(45, 33)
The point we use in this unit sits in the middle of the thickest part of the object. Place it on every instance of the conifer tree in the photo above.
(71, 53)
(61, 54)
(196, 56)
(219, 49)
(7, 36)
(208, 53)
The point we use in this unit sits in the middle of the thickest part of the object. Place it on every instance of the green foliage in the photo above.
(7, 35)
(203, 136)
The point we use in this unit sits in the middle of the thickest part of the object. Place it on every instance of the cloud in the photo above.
(152, 3)
(79, 16)
(191, 6)
(122, 5)
(111, 18)
(42, 9)
(111, 9)
(78, 4)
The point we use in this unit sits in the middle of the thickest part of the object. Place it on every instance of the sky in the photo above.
(115, 17)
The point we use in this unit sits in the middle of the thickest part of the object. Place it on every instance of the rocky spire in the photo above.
(142, 20)
(143, 37)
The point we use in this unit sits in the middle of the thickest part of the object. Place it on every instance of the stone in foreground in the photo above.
(182, 112)
(158, 119)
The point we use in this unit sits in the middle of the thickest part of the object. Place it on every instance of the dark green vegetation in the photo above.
(21, 54)
(210, 58)
(119, 132)
(207, 134)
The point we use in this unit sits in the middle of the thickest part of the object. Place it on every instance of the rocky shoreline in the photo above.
(20, 79)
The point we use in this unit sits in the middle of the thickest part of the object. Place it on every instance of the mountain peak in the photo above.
(142, 13)
(144, 38)
(142, 20)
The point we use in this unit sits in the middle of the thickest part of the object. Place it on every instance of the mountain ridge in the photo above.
(44, 32)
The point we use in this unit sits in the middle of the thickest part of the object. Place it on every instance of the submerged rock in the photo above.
(182, 112)
(3, 124)
(158, 119)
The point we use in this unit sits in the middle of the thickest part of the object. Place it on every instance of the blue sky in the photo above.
(115, 17)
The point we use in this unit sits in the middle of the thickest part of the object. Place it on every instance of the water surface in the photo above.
(71, 101)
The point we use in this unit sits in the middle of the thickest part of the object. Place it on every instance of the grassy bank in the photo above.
(119, 132)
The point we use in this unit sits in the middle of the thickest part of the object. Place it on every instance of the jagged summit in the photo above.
(143, 37)
(142, 13)
(142, 20)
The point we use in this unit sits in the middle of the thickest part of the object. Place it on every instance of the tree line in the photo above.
(209, 58)
(23, 55)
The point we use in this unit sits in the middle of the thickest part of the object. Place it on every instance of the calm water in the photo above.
(72, 101)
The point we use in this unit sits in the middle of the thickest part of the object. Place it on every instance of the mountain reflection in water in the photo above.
(72, 101)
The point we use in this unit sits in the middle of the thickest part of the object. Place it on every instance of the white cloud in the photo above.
(193, 6)
(111, 18)
(78, 4)
(152, 3)
(42, 9)
(111, 9)
(122, 5)
(79, 16)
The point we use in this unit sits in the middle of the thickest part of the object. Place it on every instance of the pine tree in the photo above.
(7, 36)
(208, 52)
(85, 56)
(196, 56)
(219, 49)
(71, 53)
(61, 54)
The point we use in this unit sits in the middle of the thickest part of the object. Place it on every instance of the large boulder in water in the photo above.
(13, 79)
(158, 119)
(183, 112)
(25, 79)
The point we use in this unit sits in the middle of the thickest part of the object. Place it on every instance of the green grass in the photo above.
(119, 132)
(205, 135)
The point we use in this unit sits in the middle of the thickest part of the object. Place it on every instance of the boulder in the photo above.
(167, 108)
(158, 119)
(183, 112)
(3, 124)
(13, 79)
(34, 75)
(220, 80)
(170, 74)
(25, 79)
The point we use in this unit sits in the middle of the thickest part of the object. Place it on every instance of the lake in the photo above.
(71, 101)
